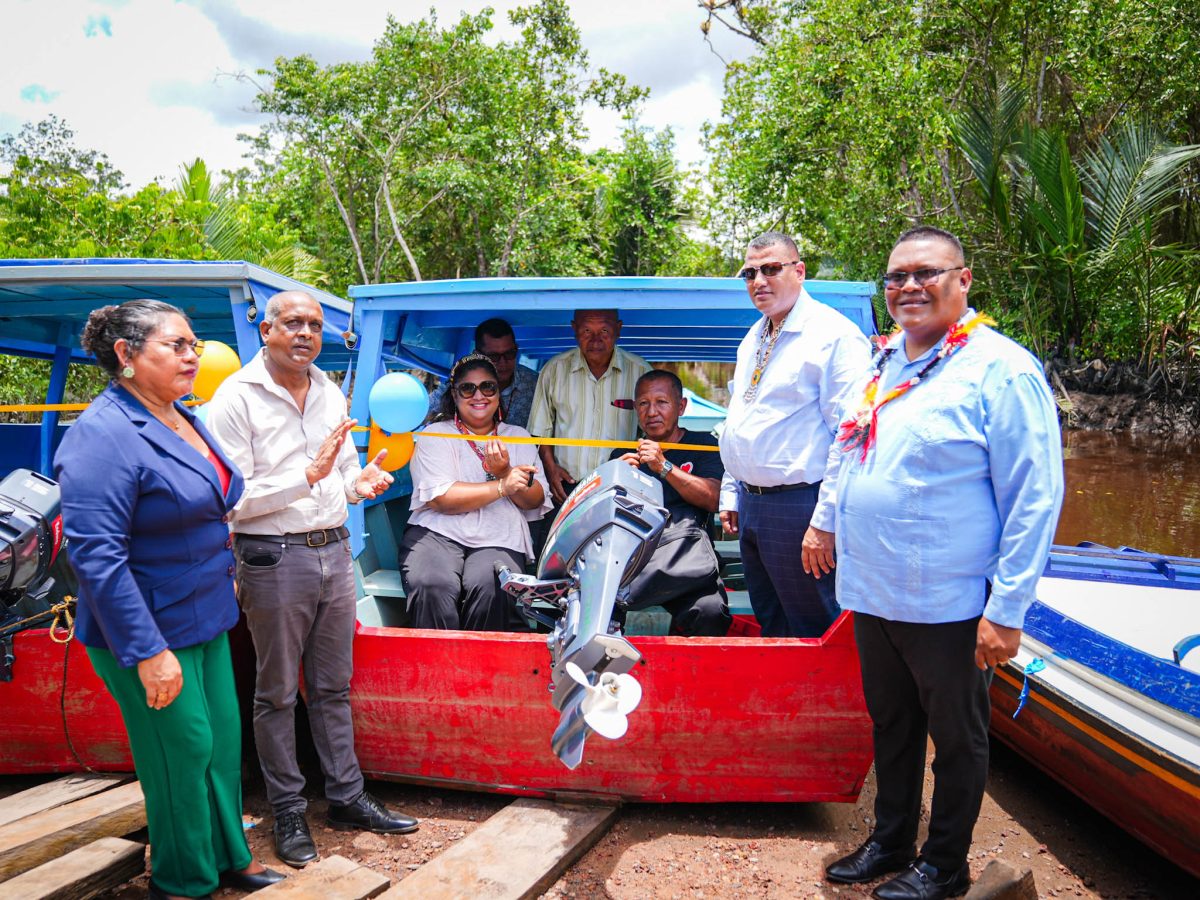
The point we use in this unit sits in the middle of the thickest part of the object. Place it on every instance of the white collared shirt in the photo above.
(260, 428)
(784, 434)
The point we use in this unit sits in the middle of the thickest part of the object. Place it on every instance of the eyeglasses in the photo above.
(503, 356)
(894, 281)
(467, 389)
(181, 346)
(769, 270)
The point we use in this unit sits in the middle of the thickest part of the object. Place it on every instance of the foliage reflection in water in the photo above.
(1131, 490)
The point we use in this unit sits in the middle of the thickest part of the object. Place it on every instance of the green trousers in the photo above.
(188, 758)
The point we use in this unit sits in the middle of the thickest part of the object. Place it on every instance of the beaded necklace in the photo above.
(474, 445)
(859, 431)
(762, 356)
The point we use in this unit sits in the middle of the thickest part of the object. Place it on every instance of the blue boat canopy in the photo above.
(44, 303)
(429, 324)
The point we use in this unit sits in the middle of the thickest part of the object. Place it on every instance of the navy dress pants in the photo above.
(920, 682)
(787, 601)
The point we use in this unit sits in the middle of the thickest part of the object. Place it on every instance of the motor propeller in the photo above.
(608, 702)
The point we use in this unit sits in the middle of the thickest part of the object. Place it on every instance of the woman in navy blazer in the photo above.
(146, 494)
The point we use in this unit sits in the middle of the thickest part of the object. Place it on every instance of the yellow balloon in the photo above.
(218, 363)
(399, 447)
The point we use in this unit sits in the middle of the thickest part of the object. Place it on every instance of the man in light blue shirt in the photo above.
(793, 368)
(947, 499)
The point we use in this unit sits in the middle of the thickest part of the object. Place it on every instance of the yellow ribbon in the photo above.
(558, 442)
(62, 407)
(508, 439)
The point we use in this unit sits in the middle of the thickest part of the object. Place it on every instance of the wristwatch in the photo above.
(667, 466)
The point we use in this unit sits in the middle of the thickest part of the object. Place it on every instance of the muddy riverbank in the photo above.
(730, 850)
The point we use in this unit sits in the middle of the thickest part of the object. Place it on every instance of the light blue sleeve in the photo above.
(1025, 457)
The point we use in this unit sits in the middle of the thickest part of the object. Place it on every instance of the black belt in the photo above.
(317, 538)
(774, 488)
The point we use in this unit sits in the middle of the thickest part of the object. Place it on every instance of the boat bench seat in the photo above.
(377, 570)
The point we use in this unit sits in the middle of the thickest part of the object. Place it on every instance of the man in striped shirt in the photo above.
(575, 394)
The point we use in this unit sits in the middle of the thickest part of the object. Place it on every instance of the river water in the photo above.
(1131, 490)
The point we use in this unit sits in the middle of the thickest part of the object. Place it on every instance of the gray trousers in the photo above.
(300, 605)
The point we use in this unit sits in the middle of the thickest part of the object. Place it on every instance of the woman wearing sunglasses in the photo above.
(472, 503)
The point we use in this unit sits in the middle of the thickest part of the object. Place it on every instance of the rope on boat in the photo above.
(62, 616)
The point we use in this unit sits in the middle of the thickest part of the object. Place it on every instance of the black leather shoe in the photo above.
(157, 893)
(368, 814)
(867, 863)
(921, 881)
(247, 883)
(293, 844)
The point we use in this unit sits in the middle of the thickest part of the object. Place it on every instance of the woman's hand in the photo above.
(162, 677)
(495, 457)
(517, 479)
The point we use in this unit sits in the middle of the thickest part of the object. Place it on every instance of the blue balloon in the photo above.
(398, 402)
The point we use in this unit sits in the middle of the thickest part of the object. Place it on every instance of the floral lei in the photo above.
(859, 431)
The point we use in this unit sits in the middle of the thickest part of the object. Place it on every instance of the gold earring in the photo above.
(127, 372)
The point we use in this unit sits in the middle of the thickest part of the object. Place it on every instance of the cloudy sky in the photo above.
(152, 82)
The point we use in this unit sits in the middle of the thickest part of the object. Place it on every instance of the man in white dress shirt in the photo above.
(284, 425)
(793, 368)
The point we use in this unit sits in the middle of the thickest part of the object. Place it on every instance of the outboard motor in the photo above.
(602, 537)
(31, 534)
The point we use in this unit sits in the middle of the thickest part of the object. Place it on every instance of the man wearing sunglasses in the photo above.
(494, 338)
(793, 369)
(283, 423)
(945, 515)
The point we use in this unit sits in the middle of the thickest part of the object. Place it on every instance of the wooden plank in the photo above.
(333, 878)
(55, 793)
(33, 840)
(516, 854)
(1001, 881)
(82, 873)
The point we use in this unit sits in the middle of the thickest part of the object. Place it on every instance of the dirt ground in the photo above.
(755, 850)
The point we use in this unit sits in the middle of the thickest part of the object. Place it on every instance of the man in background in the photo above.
(575, 398)
(494, 338)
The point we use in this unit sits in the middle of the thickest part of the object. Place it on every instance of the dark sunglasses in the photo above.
(467, 389)
(503, 356)
(770, 270)
(893, 281)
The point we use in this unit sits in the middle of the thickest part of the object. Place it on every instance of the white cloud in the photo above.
(152, 83)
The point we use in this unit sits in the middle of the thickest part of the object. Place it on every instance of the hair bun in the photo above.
(93, 331)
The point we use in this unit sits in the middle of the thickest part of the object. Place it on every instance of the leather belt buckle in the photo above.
(324, 538)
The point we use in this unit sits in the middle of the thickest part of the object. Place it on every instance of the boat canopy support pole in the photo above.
(54, 394)
(370, 368)
(242, 299)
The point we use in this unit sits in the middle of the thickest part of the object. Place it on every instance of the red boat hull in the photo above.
(729, 719)
(721, 719)
(1150, 794)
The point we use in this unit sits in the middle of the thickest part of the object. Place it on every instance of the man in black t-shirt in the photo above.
(682, 574)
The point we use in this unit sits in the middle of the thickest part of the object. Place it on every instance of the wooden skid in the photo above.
(82, 873)
(517, 853)
(35, 839)
(55, 793)
(333, 878)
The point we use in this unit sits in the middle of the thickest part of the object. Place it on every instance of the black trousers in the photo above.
(920, 682)
(452, 586)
